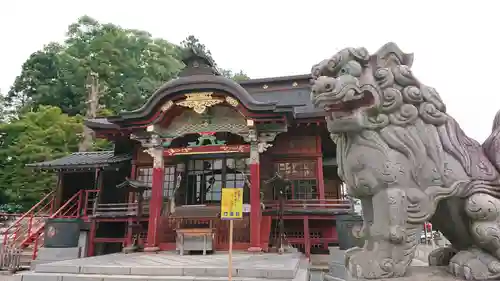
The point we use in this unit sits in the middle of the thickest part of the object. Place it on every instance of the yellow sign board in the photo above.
(232, 204)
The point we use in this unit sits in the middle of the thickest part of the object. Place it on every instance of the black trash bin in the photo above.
(345, 225)
(62, 233)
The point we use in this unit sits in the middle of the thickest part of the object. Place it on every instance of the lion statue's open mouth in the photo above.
(352, 99)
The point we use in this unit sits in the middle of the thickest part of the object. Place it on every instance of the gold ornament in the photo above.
(167, 106)
(199, 102)
(233, 102)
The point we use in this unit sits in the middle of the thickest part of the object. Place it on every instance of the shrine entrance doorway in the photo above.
(205, 179)
(197, 198)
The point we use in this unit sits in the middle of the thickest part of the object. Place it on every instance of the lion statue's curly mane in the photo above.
(399, 151)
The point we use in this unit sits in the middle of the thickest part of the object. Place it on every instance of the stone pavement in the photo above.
(6, 278)
(423, 251)
(170, 266)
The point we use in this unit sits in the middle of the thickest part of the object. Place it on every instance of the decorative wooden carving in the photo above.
(231, 101)
(208, 149)
(202, 141)
(221, 119)
(157, 154)
(199, 102)
(263, 146)
(167, 106)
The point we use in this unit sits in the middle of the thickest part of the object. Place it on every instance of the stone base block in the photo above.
(59, 254)
(415, 273)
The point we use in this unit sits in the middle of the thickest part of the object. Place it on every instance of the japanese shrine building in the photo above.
(196, 135)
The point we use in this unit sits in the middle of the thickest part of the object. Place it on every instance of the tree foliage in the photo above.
(40, 117)
(131, 65)
(36, 136)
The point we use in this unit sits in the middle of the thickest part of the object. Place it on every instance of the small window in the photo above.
(146, 175)
(302, 175)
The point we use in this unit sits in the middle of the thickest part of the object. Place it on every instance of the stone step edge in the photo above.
(302, 275)
(54, 268)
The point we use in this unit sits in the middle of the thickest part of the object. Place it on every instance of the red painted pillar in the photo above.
(255, 211)
(155, 204)
(319, 169)
(131, 199)
(91, 247)
(307, 238)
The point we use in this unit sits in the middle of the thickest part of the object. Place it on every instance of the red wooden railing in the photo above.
(23, 226)
(28, 229)
(311, 204)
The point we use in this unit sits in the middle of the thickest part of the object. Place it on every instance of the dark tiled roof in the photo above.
(275, 79)
(286, 100)
(134, 184)
(298, 98)
(79, 160)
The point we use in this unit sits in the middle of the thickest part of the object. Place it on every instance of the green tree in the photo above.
(193, 42)
(40, 119)
(131, 65)
(35, 136)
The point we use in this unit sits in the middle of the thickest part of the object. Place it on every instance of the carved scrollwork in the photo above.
(167, 106)
(232, 101)
(263, 146)
(267, 136)
(157, 154)
(251, 136)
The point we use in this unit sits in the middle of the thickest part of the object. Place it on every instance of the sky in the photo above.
(454, 42)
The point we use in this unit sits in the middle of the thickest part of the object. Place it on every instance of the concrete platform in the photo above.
(172, 267)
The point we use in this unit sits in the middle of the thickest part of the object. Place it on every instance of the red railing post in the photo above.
(86, 203)
(52, 204)
(35, 247)
(30, 224)
(16, 232)
(79, 207)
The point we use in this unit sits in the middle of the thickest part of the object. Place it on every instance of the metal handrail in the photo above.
(18, 221)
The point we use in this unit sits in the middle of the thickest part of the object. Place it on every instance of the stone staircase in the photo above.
(26, 254)
(172, 267)
(5, 223)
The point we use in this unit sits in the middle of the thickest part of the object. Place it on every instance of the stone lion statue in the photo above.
(408, 162)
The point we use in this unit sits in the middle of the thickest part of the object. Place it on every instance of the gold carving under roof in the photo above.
(199, 102)
(231, 101)
(167, 105)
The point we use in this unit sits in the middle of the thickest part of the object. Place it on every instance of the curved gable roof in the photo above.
(195, 83)
(199, 75)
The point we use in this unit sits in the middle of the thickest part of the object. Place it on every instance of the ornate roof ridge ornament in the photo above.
(199, 102)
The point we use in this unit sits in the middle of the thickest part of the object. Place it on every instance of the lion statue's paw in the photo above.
(441, 256)
(362, 263)
(474, 264)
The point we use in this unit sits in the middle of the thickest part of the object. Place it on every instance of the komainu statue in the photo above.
(408, 162)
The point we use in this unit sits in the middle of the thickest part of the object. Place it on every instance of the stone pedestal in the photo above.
(48, 255)
(417, 273)
(336, 265)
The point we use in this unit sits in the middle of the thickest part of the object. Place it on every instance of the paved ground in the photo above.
(423, 251)
(173, 260)
(10, 278)
(421, 260)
